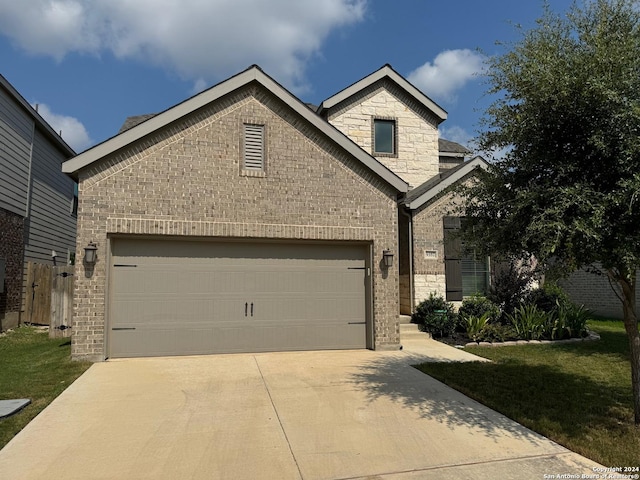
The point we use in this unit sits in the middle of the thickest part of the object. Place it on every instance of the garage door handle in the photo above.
(356, 323)
(246, 305)
(123, 328)
(252, 309)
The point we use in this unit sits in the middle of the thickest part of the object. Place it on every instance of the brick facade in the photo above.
(12, 251)
(186, 181)
(594, 292)
(417, 156)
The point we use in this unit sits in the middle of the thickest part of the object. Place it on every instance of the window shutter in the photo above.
(452, 258)
(253, 147)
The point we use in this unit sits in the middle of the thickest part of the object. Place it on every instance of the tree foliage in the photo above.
(567, 110)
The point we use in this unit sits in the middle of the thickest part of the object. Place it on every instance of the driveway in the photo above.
(299, 415)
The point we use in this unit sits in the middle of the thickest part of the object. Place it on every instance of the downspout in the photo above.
(411, 290)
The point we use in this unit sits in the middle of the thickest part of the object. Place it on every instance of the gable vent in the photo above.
(253, 147)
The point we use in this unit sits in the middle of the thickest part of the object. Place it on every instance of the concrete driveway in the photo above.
(301, 415)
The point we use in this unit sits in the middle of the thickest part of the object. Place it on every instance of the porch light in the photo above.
(387, 258)
(90, 253)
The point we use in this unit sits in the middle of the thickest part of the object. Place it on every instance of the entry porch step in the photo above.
(411, 331)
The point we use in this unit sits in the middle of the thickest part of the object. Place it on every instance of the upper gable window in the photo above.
(384, 136)
(253, 148)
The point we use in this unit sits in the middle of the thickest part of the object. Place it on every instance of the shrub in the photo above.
(573, 320)
(436, 316)
(475, 325)
(477, 306)
(510, 287)
(529, 322)
(494, 332)
(548, 298)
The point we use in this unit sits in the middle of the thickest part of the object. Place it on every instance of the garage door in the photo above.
(186, 298)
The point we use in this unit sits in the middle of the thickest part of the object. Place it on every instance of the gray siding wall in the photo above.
(32, 184)
(16, 136)
(50, 225)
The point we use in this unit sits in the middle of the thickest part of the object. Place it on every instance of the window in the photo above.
(253, 148)
(475, 274)
(384, 136)
(466, 273)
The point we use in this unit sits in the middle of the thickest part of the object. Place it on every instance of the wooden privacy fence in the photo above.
(49, 297)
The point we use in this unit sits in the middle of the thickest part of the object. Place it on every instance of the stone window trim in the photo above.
(252, 172)
(395, 136)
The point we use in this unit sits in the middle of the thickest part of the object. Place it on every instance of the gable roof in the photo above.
(447, 148)
(41, 123)
(436, 185)
(386, 71)
(252, 74)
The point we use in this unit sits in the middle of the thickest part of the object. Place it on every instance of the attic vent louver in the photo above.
(253, 147)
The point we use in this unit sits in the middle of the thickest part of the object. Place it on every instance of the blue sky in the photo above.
(89, 64)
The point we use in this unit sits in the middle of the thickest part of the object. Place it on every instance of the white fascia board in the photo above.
(385, 71)
(214, 93)
(468, 168)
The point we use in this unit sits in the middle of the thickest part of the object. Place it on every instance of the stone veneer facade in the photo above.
(417, 157)
(12, 251)
(185, 181)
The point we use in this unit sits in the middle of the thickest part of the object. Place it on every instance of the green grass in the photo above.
(577, 394)
(36, 367)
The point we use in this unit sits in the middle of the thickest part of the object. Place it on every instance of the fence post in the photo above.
(61, 302)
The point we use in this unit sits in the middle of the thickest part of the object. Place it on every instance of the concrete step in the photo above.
(404, 319)
(411, 331)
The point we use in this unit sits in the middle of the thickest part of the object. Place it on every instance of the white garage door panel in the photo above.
(180, 298)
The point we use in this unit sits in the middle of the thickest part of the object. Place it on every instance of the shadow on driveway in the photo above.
(388, 377)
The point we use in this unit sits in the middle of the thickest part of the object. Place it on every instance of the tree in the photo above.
(567, 191)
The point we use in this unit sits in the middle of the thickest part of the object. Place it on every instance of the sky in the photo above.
(89, 64)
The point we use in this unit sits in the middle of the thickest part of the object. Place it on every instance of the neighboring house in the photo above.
(245, 220)
(594, 292)
(37, 201)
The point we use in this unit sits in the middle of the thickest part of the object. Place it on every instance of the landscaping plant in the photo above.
(436, 316)
(528, 322)
(477, 305)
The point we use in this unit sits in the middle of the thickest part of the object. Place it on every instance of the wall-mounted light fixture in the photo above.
(90, 253)
(387, 258)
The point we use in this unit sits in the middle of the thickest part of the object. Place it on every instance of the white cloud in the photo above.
(457, 134)
(198, 86)
(73, 131)
(448, 73)
(206, 39)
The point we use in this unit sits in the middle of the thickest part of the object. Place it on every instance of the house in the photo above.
(591, 288)
(244, 220)
(37, 201)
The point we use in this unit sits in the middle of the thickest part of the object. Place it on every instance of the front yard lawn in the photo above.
(577, 394)
(36, 367)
